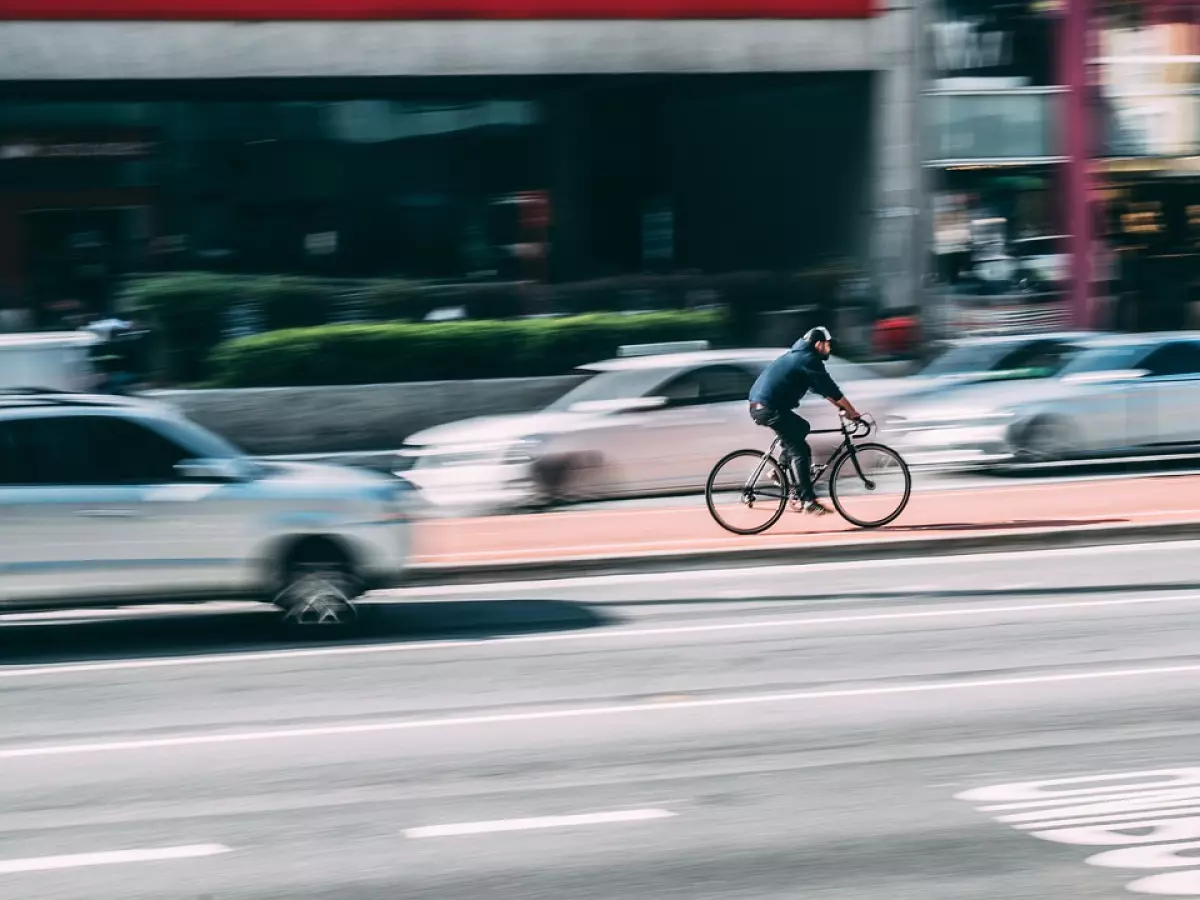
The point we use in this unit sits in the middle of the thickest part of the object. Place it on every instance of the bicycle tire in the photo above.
(846, 460)
(784, 490)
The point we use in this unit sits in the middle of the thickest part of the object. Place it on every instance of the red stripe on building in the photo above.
(302, 10)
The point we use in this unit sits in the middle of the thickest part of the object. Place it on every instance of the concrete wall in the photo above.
(269, 421)
(166, 50)
(898, 192)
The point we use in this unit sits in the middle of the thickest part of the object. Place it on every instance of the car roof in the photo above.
(991, 339)
(685, 360)
(19, 399)
(1147, 339)
(49, 339)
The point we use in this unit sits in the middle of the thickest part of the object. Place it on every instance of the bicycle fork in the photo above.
(748, 491)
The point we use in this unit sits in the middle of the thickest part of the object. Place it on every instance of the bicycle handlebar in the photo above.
(860, 429)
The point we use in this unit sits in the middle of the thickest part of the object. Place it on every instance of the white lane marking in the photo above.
(656, 708)
(575, 636)
(499, 825)
(783, 571)
(1144, 818)
(1172, 884)
(115, 857)
(1136, 817)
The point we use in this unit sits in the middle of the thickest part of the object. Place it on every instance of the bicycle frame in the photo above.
(847, 448)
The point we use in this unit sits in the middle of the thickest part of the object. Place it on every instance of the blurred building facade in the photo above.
(1063, 156)
(436, 140)
(1145, 108)
(997, 164)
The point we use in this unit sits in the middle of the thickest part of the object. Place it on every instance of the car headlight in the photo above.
(522, 451)
(484, 454)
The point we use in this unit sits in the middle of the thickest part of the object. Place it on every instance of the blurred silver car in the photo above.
(107, 500)
(1120, 394)
(636, 425)
(999, 358)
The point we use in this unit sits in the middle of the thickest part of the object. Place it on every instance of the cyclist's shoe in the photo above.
(810, 507)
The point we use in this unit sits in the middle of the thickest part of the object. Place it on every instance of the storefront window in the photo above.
(994, 146)
(1148, 185)
(993, 126)
(548, 181)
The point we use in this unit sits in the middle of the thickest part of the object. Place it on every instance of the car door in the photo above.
(66, 526)
(102, 515)
(1171, 392)
(186, 537)
(706, 416)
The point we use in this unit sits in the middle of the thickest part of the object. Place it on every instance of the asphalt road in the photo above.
(798, 732)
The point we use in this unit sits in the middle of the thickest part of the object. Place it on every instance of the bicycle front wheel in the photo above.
(746, 492)
(875, 491)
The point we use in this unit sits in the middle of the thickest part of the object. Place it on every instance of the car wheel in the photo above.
(319, 590)
(570, 479)
(1046, 440)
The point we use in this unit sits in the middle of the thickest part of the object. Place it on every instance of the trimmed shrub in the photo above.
(188, 310)
(368, 354)
(290, 302)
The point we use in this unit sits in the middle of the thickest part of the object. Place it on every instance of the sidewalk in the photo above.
(1143, 506)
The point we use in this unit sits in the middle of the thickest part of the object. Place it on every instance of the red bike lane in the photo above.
(598, 534)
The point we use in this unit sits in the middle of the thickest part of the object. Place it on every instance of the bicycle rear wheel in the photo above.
(873, 493)
(747, 492)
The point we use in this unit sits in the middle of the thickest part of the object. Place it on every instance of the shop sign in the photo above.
(976, 39)
(970, 45)
(346, 10)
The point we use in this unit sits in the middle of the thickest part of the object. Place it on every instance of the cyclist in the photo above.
(779, 390)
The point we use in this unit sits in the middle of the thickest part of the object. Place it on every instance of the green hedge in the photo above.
(369, 354)
(191, 311)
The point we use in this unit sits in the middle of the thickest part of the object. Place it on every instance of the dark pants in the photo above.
(793, 431)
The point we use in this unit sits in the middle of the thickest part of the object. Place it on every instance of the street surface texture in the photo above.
(931, 513)
(836, 731)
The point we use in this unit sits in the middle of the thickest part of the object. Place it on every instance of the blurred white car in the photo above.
(635, 426)
(1121, 394)
(57, 360)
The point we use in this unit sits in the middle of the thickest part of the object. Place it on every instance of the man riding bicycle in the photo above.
(779, 390)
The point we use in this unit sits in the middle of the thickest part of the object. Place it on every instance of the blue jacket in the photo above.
(783, 383)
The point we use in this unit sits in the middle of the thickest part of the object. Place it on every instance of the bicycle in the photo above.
(767, 487)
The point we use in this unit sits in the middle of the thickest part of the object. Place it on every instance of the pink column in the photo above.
(1073, 50)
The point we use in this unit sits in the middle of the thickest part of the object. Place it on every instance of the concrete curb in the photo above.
(840, 551)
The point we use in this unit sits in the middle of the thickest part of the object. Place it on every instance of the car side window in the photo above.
(47, 452)
(1037, 355)
(711, 384)
(11, 463)
(682, 390)
(85, 450)
(722, 384)
(1173, 360)
(133, 453)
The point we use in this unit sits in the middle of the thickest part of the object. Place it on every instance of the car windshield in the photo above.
(604, 386)
(1106, 359)
(1008, 360)
(202, 442)
(968, 358)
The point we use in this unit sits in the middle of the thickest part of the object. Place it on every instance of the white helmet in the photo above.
(820, 333)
